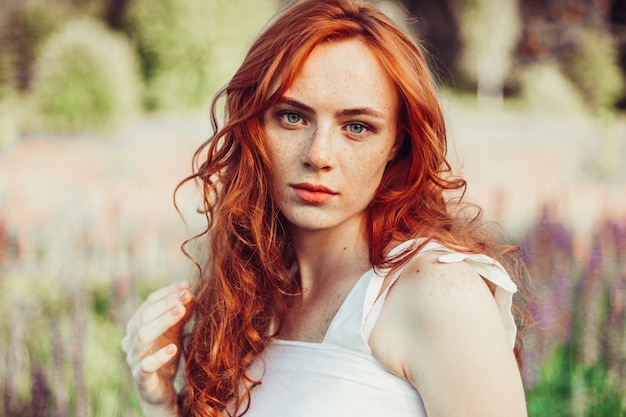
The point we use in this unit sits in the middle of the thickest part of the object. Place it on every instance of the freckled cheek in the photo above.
(374, 163)
(283, 164)
(368, 173)
(283, 160)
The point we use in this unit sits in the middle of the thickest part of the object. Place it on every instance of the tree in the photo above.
(489, 32)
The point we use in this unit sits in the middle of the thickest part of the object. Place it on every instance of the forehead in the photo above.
(347, 74)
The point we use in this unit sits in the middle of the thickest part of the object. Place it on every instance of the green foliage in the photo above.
(6, 71)
(86, 78)
(52, 336)
(10, 118)
(544, 87)
(567, 387)
(603, 399)
(608, 161)
(551, 397)
(594, 69)
(106, 372)
(174, 43)
(189, 48)
(23, 30)
(101, 302)
(489, 32)
(577, 349)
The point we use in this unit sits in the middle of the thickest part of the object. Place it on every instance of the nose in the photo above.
(319, 153)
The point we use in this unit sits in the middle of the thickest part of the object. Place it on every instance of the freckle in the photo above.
(417, 271)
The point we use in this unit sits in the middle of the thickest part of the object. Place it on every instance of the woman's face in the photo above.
(331, 135)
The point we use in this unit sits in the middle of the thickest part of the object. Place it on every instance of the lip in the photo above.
(313, 194)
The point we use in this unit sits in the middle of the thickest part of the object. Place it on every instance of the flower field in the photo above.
(88, 228)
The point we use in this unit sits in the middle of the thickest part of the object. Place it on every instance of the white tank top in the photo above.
(340, 377)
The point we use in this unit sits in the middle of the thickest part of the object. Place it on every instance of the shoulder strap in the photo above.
(374, 299)
(485, 266)
(494, 272)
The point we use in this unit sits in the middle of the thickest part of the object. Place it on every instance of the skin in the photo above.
(441, 331)
(335, 130)
(335, 127)
(152, 344)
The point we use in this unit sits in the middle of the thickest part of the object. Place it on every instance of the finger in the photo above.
(190, 306)
(145, 374)
(125, 344)
(157, 360)
(150, 332)
(165, 291)
(153, 311)
(155, 306)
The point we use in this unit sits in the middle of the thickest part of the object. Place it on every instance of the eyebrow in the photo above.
(358, 111)
(296, 104)
(361, 111)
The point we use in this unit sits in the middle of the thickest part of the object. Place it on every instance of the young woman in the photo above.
(342, 275)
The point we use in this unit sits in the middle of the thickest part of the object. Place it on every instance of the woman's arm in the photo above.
(441, 330)
(152, 344)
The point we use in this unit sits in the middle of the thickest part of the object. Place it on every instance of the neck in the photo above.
(327, 256)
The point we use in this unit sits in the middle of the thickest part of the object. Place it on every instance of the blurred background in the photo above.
(103, 102)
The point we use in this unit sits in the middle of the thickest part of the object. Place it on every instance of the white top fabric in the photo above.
(340, 376)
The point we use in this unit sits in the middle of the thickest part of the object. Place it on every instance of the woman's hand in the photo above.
(152, 346)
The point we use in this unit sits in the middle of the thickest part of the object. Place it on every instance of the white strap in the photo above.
(374, 299)
(492, 271)
(371, 316)
(485, 266)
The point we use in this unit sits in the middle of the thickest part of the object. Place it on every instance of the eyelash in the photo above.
(284, 115)
(365, 128)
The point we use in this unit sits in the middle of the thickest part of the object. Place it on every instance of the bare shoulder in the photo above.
(453, 278)
(432, 296)
(440, 329)
(428, 289)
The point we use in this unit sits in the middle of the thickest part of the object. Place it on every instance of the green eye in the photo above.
(356, 128)
(292, 118)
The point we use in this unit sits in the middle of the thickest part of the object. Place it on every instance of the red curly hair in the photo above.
(247, 281)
